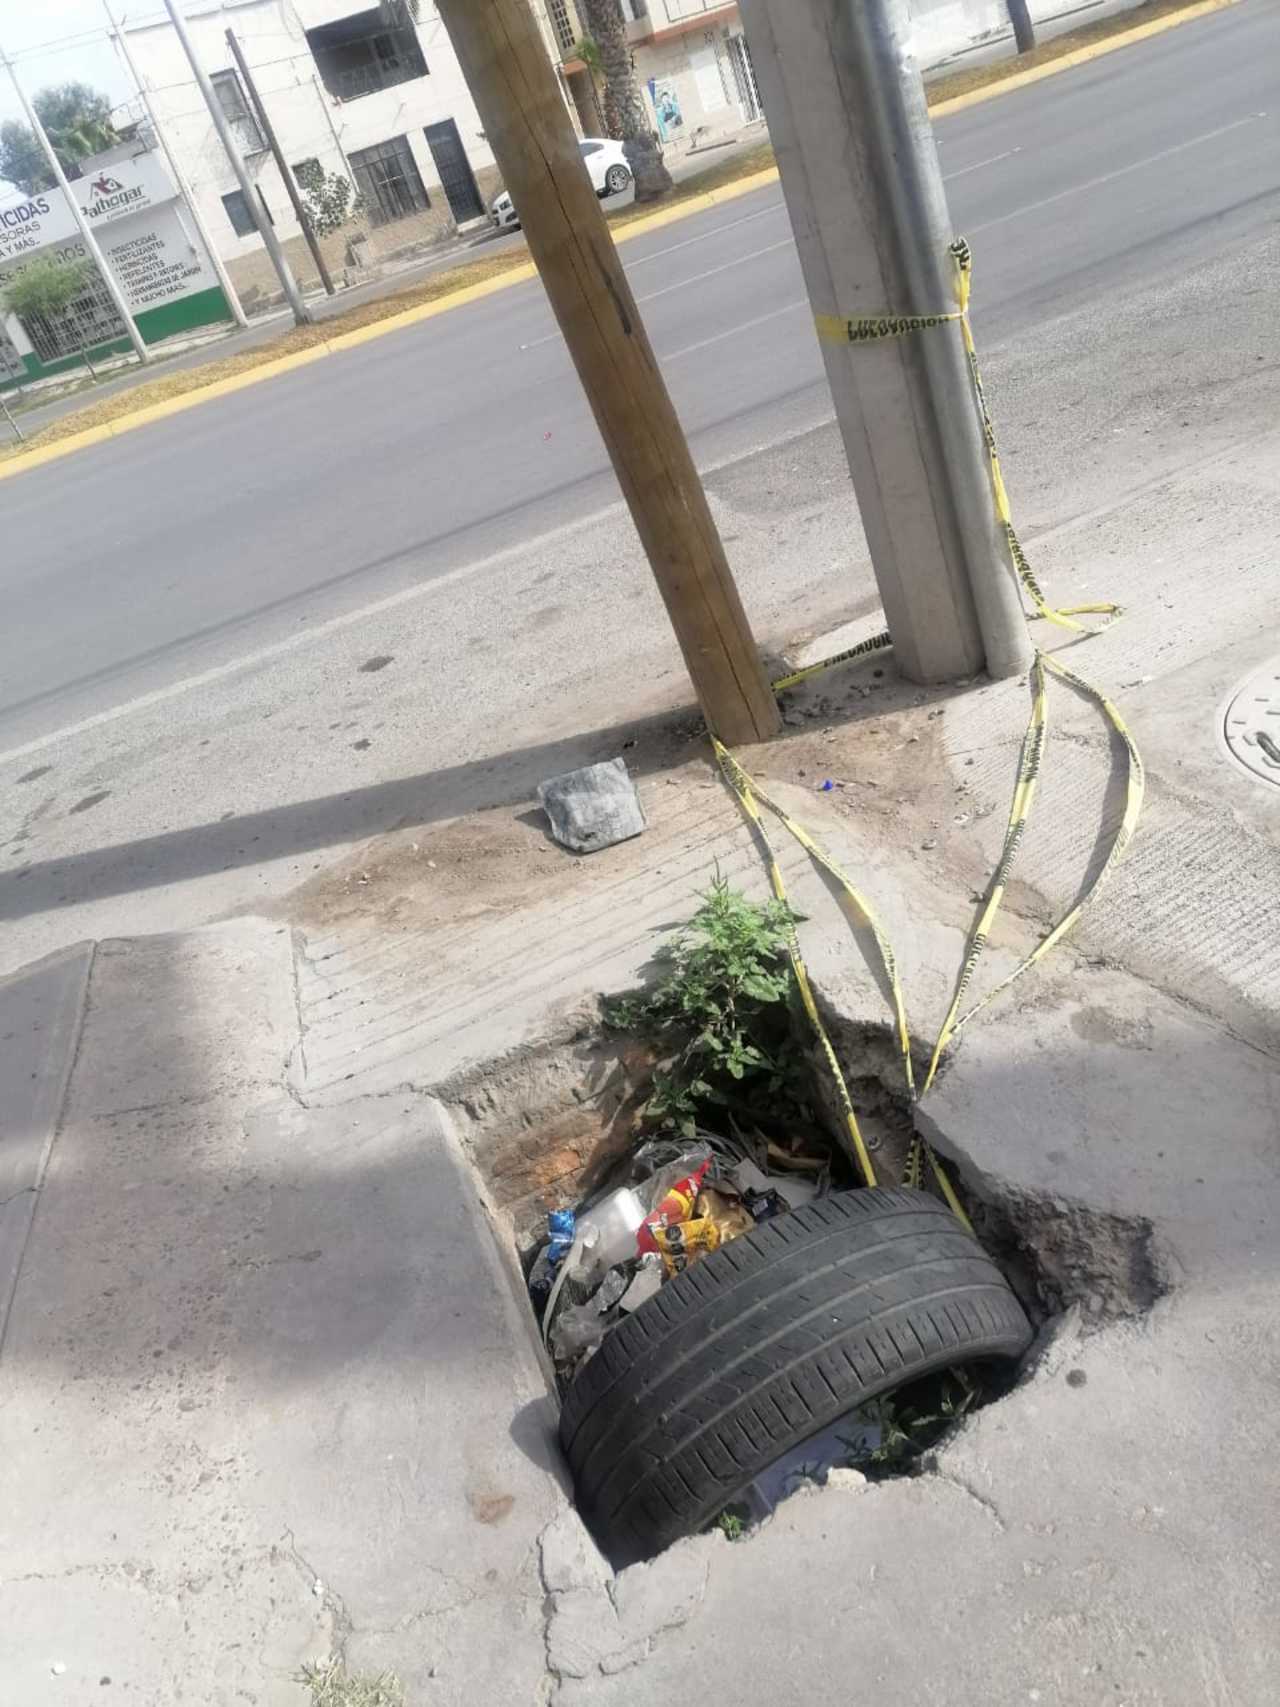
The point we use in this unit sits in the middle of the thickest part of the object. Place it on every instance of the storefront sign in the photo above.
(108, 193)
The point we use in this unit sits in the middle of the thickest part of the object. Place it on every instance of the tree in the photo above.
(77, 121)
(587, 51)
(608, 30)
(22, 159)
(1024, 33)
(45, 288)
(329, 198)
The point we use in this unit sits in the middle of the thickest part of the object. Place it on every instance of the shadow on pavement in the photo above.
(648, 745)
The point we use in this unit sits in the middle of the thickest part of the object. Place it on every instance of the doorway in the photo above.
(744, 75)
(456, 177)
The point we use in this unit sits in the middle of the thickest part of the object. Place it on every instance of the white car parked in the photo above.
(606, 163)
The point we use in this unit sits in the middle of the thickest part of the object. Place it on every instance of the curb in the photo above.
(520, 275)
(1081, 56)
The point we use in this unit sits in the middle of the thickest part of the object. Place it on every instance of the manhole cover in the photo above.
(1252, 724)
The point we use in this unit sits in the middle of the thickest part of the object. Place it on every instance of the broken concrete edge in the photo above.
(537, 1378)
(25, 1176)
(599, 1622)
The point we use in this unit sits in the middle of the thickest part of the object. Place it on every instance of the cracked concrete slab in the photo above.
(266, 1396)
(599, 1624)
(1079, 1543)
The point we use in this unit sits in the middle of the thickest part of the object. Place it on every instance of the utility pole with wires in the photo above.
(77, 213)
(184, 188)
(248, 189)
(528, 127)
(286, 172)
(859, 167)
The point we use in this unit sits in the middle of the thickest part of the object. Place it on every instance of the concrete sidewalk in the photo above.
(266, 1392)
(269, 1393)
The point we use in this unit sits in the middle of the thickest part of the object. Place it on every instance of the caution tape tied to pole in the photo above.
(751, 796)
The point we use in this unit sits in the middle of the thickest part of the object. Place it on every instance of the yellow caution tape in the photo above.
(963, 259)
(866, 328)
(877, 643)
(750, 795)
(746, 793)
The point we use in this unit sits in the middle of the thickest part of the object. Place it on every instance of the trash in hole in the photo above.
(726, 1311)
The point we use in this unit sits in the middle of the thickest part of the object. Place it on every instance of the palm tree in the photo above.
(606, 27)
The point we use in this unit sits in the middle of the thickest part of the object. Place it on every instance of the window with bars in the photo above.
(388, 179)
(242, 221)
(231, 98)
(562, 24)
(88, 320)
(360, 54)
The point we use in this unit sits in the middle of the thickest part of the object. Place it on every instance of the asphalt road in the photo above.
(196, 612)
(228, 526)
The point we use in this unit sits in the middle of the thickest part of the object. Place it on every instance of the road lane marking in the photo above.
(1120, 172)
(787, 242)
(378, 607)
(977, 166)
(733, 331)
(702, 236)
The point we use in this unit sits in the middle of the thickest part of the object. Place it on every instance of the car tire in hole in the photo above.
(768, 1341)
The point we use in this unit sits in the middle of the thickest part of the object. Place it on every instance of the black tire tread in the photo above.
(735, 1361)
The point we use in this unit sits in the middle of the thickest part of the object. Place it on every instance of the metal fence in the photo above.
(349, 83)
(89, 320)
(10, 361)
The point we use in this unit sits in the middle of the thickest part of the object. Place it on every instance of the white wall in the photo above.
(306, 117)
(944, 27)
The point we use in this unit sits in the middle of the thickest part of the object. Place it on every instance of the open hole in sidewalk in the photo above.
(550, 1127)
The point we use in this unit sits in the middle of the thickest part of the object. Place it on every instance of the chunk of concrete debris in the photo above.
(592, 808)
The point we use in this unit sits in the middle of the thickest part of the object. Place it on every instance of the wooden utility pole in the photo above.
(286, 173)
(511, 80)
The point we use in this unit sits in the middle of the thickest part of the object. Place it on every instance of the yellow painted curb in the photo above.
(1082, 56)
(522, 274)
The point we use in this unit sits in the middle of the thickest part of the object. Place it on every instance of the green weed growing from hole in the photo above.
(719, 1019)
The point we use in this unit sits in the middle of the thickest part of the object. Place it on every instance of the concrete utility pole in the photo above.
(859, 167)
(514, 88)
(248, 189)
(73, 202)
(184, 188)
(286, 174)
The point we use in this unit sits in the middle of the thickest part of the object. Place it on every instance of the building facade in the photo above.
(387, 109)
(146, 237)
(692, 61)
